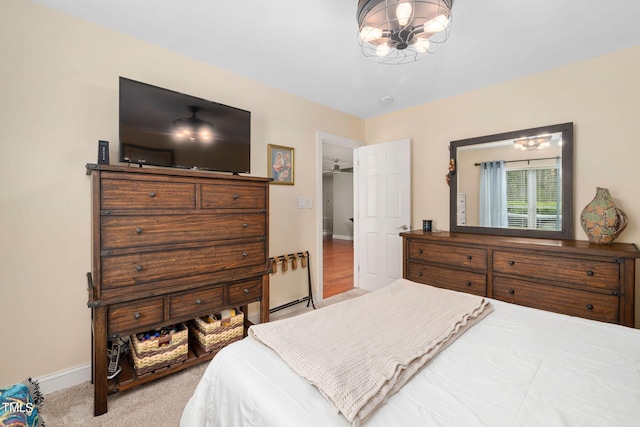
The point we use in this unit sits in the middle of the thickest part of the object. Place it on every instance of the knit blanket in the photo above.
(360, 352)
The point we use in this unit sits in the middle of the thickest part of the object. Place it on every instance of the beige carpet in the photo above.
(159, 403)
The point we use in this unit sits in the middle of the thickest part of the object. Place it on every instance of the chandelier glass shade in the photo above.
(402, 31)
(193, 128)
(529, 144)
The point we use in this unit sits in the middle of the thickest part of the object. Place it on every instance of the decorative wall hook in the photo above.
(452, 170)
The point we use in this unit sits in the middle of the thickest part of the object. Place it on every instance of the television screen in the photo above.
(161, 127)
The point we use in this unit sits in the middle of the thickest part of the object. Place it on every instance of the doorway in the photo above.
(335, 197)
(380, 185)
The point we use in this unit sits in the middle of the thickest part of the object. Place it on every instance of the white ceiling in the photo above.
(310, 48)
(332, 152)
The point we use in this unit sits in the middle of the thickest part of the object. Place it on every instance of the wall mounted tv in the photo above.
(161, 127)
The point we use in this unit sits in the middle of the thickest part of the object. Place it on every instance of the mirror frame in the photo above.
(567, 183)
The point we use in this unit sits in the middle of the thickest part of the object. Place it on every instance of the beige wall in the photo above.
(599, 96)
(59, 97)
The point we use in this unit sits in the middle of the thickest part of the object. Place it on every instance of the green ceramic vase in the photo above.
(601, 219)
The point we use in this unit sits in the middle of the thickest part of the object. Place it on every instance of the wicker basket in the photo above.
(157, 352)
(215, 335)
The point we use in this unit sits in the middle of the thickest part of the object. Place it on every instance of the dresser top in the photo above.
(149, 170)
(622, 250)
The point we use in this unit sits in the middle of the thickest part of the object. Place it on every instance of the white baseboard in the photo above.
(64, 379)
(340, 237)
(255, 317)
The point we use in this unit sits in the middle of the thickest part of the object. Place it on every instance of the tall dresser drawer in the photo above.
(245, 292)
(449, 255)
(196, 303)
(582, 272)
(132, 194)
(590, 305)
(126, 231)
(456, 280)
(225, 196)
(145, 267)
(138, 268)
(134, 316)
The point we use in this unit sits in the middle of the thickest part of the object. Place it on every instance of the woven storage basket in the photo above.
(155, 353)
(213, 336)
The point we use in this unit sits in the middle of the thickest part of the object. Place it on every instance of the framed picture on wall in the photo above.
(281, 164)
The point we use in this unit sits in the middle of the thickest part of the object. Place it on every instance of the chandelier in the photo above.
(193, 128)
(533, 143)
(401, 31)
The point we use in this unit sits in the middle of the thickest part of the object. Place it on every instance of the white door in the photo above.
(383, 209)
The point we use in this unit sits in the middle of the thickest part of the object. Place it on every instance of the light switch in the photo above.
(302, 202)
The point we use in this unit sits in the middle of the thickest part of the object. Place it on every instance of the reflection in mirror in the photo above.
(516, 183)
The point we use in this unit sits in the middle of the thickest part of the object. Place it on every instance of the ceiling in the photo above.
(310, 48)
(335, 154)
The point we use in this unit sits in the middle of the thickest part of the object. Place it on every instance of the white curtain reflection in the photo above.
(493, 194)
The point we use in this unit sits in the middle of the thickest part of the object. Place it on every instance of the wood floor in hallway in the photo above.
(337, 267)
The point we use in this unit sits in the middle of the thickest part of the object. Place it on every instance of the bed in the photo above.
(516, 366)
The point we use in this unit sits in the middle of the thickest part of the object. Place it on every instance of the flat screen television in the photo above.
(161, 127)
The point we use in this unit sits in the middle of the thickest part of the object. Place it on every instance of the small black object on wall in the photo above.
(103, 152)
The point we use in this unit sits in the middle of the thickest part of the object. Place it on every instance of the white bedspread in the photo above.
(517, 367)
(359, 354)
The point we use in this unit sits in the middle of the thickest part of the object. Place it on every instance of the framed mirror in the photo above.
(514, 184)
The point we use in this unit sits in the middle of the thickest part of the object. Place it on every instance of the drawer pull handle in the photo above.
(590, 306)
(245, 254)
(589, 273)
(511, 291)
(469, 257)
(139, 267)
(137, 315)
(420, 274)
(468, 283)
(138, 230)
(246, 290)
(245, 225)
(152, 194)
(198, 301)
(236, 196)
(512, 262)
(420, 251)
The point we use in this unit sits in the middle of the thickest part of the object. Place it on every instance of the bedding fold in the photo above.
(360, 352)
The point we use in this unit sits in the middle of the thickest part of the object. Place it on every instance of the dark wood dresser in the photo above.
(171, 245)
(564, 276)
